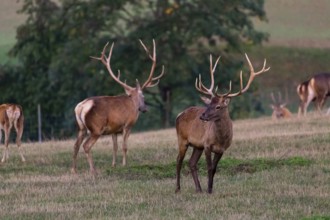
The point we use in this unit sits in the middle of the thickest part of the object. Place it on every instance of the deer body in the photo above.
(317, 89)
(214, 135)
(107, 114)
(280, 112)
(113, 115)
(11, 115)
(207, 129)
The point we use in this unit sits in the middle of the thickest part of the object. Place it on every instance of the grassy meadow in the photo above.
(273, 170)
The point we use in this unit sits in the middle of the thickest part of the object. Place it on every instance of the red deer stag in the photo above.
(11, 114)
(112, 114)
(209, 128)
(279, 109)
(315, 89)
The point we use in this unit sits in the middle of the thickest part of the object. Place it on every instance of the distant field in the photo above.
(273, 170)
(298, 23)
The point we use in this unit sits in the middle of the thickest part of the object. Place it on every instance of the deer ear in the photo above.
(128, 91)
(226, 101)
(272, 106)
(206, 100)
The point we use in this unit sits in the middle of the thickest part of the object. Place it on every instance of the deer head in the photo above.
(135, 92)
(278, 106)
(217, 104)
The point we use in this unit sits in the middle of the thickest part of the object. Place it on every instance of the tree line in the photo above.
(53, 67)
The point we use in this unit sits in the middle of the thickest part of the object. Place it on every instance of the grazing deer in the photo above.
(209, 128)
(279, 109)
(112, 114)
(11, 114)
(315, 89)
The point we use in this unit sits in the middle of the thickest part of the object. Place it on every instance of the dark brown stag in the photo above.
(112, 114)
(11, 114)
(279, 109)
(317, 89)
(208, 129)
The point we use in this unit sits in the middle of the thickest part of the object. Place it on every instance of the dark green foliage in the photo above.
(54, 45)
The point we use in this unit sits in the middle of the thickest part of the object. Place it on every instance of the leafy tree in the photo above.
(54, 44)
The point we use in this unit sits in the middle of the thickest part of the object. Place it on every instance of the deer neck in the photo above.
(223, 125)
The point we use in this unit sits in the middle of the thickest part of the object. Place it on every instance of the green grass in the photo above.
(273, 170)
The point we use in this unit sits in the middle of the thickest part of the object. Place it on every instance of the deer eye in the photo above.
(218, 107)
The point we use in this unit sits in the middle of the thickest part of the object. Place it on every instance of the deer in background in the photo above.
(317, 88)
(113, 115)
(11, 114)
(209, 128)
(279, 109)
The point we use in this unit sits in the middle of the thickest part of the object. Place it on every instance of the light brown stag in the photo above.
(11, 114)
(209, 128)
(279, 109)
(112, 114)
(317, 89)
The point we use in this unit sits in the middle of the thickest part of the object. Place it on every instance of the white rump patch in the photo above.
(81, 110)
(13, 113)
(311, 93)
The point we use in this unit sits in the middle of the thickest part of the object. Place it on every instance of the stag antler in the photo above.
(152, 81)
(253, 74)
(106, 61)
(200, 86)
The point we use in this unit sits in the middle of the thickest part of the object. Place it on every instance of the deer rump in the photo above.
(316, 89)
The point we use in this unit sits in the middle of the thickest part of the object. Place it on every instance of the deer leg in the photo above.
(215, 162)
(5, 152)
(126, 133)
(115, 148)
(19, 133)
(80, 138)
(208, 156)
(87, 147)
(182, 152)
(196, 154)
(324, 98)
(4, 148)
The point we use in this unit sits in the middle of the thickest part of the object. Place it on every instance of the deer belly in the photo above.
(112, 130)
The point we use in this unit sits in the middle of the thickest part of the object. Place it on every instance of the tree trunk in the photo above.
(166, 108)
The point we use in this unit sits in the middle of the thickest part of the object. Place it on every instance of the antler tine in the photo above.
(273, 98)
(106, 61)
(252, 75)
(200, 86)
(150, 81)
(225, 94)
(157, 79)
(279, 97)
(103, 52)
